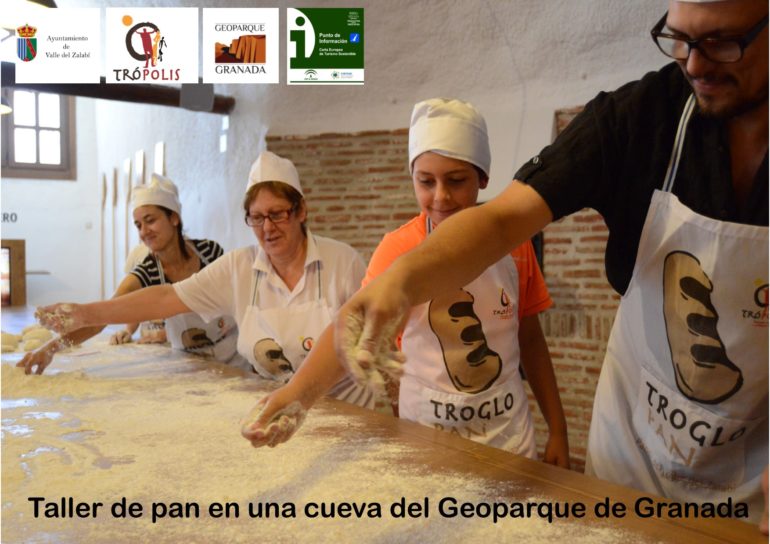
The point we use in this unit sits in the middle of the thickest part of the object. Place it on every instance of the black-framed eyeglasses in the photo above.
(722, 49)
(279, 216)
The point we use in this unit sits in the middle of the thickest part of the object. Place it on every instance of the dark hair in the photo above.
(279, 189)
(482, 175)
(180, 236)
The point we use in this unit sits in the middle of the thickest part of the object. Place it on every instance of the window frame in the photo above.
(67, 170)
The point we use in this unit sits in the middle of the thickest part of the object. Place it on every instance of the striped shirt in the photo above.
(147, 271)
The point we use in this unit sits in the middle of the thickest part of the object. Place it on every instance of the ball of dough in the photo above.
(32, 344)
(38, 333)
(10, 339)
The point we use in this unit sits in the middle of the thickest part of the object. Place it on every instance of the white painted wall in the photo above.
(516, 60)
(60, 222)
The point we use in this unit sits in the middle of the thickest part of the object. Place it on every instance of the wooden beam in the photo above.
(134, 92)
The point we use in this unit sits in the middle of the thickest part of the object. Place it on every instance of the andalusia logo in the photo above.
(26, 43)
(147, 35)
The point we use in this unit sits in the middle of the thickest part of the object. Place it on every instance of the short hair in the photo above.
(279, 189)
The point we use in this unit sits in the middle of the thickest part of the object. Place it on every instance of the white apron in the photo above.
(681, 404)
(188, 332)
(277, 340)
(462, 370)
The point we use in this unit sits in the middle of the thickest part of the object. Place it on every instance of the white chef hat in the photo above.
(161, 191)
(449, 127)
(271, 167)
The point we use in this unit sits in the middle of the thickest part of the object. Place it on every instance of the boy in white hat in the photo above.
(463, 349)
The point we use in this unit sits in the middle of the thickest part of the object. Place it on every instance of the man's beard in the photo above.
(726, 110)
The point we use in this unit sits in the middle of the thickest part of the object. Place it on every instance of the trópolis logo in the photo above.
(758, 314)
(151, 44)
(152, 41)
(26, 43)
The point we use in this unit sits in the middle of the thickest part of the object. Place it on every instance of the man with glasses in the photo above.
(677, 165)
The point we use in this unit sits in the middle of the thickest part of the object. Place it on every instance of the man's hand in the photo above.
(366, 328)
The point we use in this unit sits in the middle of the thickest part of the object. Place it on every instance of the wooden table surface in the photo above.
(441, 453)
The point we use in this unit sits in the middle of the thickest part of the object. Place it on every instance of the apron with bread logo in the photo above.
(462, 370)
(681, 404)
(216, 339)
(277, 340)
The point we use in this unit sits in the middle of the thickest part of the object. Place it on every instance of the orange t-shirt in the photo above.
(533, 294)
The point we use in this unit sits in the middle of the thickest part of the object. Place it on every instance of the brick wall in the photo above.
(357, 185)
(358, 188)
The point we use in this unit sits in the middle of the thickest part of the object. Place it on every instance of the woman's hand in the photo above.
(274, 419)
(62, 317)
(40, 358)
(152, 335)
(120, 337)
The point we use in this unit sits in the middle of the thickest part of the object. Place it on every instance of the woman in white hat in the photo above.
(463, 349)
(170, 258)
(282, 292)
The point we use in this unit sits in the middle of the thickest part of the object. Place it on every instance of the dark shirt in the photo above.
(615, 153)
(148, 273)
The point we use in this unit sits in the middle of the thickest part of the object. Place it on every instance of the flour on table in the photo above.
(166, 430)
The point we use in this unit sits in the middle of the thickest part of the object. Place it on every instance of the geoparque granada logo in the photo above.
(245, 50)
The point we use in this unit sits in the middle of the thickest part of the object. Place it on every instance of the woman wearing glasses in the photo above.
(171, 258)
(281, 292)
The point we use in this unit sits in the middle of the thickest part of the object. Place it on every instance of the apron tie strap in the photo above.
(676, 152)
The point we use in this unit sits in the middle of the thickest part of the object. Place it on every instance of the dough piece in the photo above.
(703, 371)
(33, 344)
(472, 366)
(10, 342)
(37, 333)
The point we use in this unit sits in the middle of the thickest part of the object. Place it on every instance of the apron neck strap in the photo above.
(189, 246)
(676, 152)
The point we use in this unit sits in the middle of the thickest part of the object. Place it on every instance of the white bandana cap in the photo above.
(271, 167)
(451, 128)
(161, 191)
